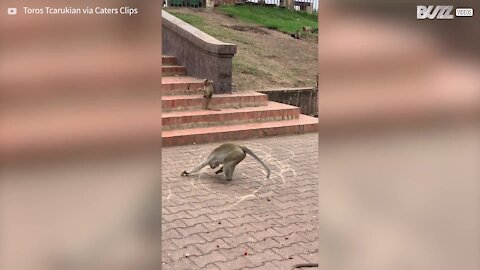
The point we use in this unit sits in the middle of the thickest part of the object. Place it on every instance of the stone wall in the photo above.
(202, 55)
(304, 98)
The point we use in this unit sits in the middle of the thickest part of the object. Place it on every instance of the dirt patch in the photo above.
(247, 28)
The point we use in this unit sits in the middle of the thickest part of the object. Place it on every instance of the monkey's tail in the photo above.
(248, 151)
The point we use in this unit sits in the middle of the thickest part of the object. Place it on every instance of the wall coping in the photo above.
(196, 36)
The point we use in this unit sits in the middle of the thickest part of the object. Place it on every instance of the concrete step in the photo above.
(169, 60)
(196, 102)
(237, 132)
(53, 132)
(180, 85)
(204, 118)
(173, 70)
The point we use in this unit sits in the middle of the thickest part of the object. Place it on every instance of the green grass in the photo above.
(214, 30)
(245, 67)
(194, 20)
(281, 19)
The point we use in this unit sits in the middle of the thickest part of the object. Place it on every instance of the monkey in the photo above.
(301, 265)
(296, 35)
(229, 155)
(306, 29)
(207, 94)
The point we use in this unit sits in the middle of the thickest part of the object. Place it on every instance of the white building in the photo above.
(313, 3)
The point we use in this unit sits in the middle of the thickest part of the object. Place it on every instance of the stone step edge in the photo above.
(172, 66)
(274, 111)
(271, 106)
(177, 103)
(169, 59)
(235, 132)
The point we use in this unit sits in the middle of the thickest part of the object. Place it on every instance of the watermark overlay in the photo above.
(125, 10)
(464, 12)
(442, 12)
(12, 11)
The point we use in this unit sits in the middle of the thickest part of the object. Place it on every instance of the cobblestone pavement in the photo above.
(250, 222)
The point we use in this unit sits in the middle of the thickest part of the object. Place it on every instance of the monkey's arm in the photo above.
(196, 169)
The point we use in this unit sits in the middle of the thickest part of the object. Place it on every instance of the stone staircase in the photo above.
(243, 114)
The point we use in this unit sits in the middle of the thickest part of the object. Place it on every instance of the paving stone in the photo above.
(186, 252)
(238, 263)
(197, 228)
(218, 222)
(209, 258)
(171, 234)
(217, 234)
(260, 258)
(288, 251)
(260, 246)
(288, 263)
(216, 244)
(192, 239)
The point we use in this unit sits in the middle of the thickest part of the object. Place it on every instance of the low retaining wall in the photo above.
(305, 98)
(202, 55)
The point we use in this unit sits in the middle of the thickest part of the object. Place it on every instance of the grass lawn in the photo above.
(264, 59)
(226, 35)
(194, 20)
(281, 19)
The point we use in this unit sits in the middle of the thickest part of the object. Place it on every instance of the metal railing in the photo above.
(201, 3)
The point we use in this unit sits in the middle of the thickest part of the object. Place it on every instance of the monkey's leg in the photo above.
(232, 160)
(207, 101)
(229, 168)
(207, 107)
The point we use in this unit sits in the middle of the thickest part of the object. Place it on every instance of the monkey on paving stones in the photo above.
(229, 155)
(208, 93)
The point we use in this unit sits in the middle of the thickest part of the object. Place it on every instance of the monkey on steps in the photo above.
(229, 155)
(208, 91)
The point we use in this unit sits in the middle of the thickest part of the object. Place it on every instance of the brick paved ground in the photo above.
(250, 222)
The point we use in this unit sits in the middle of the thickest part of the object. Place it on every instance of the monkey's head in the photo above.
(208, 82)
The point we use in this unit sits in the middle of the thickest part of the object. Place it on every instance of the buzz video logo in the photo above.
(434, 12)
(442, 12)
